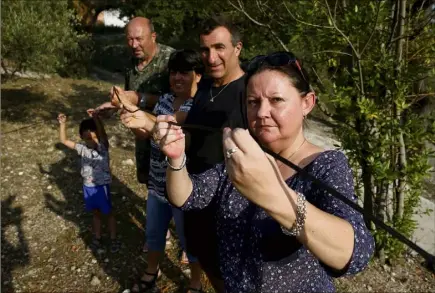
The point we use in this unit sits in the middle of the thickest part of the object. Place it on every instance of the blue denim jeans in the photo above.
(159, 214)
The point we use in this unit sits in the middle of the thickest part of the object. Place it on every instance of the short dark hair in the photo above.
(87, 125)
(186, 60)
(216, 21)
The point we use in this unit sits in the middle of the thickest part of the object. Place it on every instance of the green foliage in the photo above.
(41, 36)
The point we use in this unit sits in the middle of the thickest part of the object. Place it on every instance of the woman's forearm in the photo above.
(150, 122)
(328, 237)
(178, 183)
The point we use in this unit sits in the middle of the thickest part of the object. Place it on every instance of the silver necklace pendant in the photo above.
(211, 95)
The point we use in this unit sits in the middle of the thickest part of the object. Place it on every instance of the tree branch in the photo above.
(242, 10)
(415, 32)
(350, 75)
(334, 52)
(303, 22)
(414, 54)
(318, 77)
(357, 55)
(361, 78)
(264, 8)
(395, 19)
(421, 95)
(374, 27)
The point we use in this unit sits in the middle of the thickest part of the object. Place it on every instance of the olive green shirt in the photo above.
(152, 79)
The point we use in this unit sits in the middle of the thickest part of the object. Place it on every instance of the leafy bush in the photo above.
(41, 36)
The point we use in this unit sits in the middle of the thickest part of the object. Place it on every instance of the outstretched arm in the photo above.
(101, 132)
(142, 123)
(62, 132)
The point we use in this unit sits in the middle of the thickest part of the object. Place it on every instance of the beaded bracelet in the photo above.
(301, 214)
(183, 164)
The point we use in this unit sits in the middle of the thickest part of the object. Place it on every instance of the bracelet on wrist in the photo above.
(301, 214)
(183, 164)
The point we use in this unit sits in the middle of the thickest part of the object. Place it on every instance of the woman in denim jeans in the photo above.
(185, 72)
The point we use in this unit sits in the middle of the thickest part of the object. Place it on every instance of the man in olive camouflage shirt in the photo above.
(148, 77)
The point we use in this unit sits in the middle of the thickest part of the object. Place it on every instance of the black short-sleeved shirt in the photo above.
(227, 110)
(204, 152)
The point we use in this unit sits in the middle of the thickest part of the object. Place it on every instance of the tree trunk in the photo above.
(367, 179)
(381, 212)
(390, 202)
(401, 4)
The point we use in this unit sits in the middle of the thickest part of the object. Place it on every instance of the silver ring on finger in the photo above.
(230, 152)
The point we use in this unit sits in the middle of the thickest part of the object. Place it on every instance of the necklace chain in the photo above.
(211, 96)
(296, 150)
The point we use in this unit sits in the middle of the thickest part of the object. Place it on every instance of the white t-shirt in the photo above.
(95, 168)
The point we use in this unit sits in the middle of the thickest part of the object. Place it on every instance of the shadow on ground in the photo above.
(14, 253)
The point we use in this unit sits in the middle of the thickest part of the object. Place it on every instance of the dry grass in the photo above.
(45, 231)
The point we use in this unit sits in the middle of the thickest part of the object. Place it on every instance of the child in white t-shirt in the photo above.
(95, 170)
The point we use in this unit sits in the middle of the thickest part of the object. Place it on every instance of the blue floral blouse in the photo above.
(255, 256)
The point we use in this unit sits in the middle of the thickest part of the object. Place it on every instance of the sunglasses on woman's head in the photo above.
(275, 59)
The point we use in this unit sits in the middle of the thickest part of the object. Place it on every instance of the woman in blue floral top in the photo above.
(277, 230)
(185, 72)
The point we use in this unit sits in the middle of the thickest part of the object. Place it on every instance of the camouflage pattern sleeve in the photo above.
(154, 78)
(157, 84)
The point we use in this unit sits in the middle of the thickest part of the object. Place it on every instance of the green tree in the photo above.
(368, 58)
(42, 36)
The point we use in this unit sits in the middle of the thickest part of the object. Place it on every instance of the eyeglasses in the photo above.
(276, 59)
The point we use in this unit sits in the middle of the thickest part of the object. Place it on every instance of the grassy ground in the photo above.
(45, 231)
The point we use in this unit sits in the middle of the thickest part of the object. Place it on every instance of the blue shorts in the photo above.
(98, 198)
(159, 214)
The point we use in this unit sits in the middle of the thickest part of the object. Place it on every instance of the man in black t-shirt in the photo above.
(218, 104)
